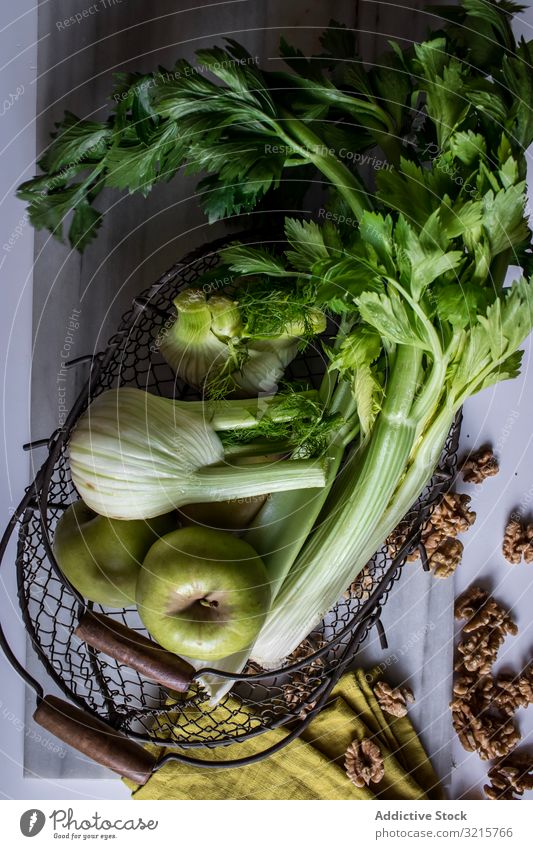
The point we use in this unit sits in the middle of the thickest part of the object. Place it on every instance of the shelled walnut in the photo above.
(488, 735)
(525, 685)
(393, 700)
(491, 615)
(479, 466)
(506, 694)
(510, 777)
(305, 650)
(482, 636)
(298, 692)
(297, 696)
(494, 793)
(473, 689)
(364, 763)
(450, 517)
(399, 536)
(446, 557)
(431, 538)
(501, 692)
(518, 541)
(479, 651)
(482, 706)
(469, 602)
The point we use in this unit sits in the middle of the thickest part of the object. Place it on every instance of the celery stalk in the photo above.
(344, 541)
(285, 521)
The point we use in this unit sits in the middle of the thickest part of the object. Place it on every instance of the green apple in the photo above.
(203, 593)
(102, 557)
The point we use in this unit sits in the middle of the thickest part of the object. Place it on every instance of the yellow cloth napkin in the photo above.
(312, 766)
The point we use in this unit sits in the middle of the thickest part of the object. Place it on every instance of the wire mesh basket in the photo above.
(126, 701)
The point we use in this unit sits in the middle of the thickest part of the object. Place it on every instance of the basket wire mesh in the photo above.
(259, 700)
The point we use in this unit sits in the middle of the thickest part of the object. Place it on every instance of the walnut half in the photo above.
(517, 541)
(393, 701)
(484, 633)
(479, 466)
(450, 517)
(446, 558)
(510, 776)
(490, 736)
(470, 602)
(364, 763)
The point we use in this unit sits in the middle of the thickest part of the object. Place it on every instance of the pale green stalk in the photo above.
(312, 148)
(286, 519)
(218, 483)
(242, 414)
(290, 520)
(346, 536)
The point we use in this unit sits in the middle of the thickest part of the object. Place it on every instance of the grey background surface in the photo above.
(72, 69)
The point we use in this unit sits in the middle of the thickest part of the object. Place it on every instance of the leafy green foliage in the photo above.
(516, 69)
(376, 232)
(392, 318)
(84, 225)
(299, 63)
(490, 352)
(391, 86)
(340, 282)
(135, 165)
(76, 141)
(479, 28)
(299, 423)
(356, 359)
(452, 114)
(338, 42)
(243, 259)
(442, 79)
(423, 257)
(503, 218)
(414, 191)
(270, 312)
(459, 305)
(468, 146)
(310, 243)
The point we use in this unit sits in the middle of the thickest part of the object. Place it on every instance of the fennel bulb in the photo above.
(264, 366)
(208, 345)
(191, 345)
(135, 456)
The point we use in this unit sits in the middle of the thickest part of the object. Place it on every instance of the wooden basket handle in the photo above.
(92, 737)
(133, 650)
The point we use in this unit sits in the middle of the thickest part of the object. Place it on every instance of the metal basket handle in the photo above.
(130, 648)
(92, 737)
